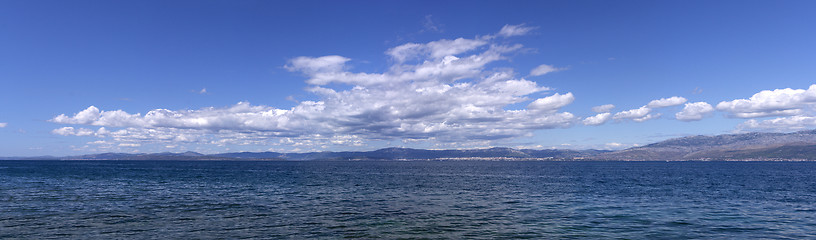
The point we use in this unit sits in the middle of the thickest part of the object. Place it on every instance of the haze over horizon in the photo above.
(83, 77)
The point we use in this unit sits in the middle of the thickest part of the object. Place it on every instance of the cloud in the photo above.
(778, 102)
(644, 113)
(515, 30)
(638, 115)
(551, 103)
(618, 146)
(792, 123)
(694, 111)
(598, 119)
(438, 92)
(666, 102)
(440, 64)
(603, 108)
(2, 125)
(203, 91)
(64, 131)
(86, 116)
(70, 131)
(311, 65)
(436, 50)
(430, 25)
(544, 69)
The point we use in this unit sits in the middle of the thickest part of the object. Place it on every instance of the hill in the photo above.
(747, 146)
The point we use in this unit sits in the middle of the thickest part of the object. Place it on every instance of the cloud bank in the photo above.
(778, 102)
(794, 109)
(441, 92)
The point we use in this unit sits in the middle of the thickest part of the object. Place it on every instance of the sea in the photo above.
(406, 200)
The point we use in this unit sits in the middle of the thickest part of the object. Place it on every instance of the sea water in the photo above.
(418, 199)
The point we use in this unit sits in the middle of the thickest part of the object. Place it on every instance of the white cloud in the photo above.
(102, 131)
(694, 111)
(618, 146)
(439, 64)
(666, 102)
(598, 119)
(84, 132)
(644, 113)
(552, 103)
(778, 102)
(2, 125)
(86, 116)
(443, 48)
(64, 131)
(436, 50)
(70, 131)
(203, 91)
(637, 113)
(647, 117)
(603, 108)
(447, 97)
(310, 65)
(792, 123)
(544, 69)
(515, 30)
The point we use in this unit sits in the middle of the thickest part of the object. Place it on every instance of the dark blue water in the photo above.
(637, 200)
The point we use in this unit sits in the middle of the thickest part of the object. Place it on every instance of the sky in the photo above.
(83, 77)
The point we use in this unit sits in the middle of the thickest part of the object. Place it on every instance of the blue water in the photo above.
(482, 200)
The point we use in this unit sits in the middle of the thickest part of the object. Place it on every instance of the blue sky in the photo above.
(82, 77)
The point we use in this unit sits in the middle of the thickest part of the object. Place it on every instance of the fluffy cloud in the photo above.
(638, 115)
(694, 111)
(70, 131)
(603, 108)
(86, 116)
(2, 125)
(438, 91)
(778, 102)
(666, 102)
(551, 103)
(515, 30)
(598, 119)
(644, 113)
(544, 69)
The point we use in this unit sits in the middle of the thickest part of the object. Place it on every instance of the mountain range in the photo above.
(746, 146)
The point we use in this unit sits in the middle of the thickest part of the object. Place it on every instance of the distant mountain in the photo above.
(416, 154)
(747, 146)
(146, 156)
(381, 154)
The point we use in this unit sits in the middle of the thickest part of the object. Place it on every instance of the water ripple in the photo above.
(477, 200)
